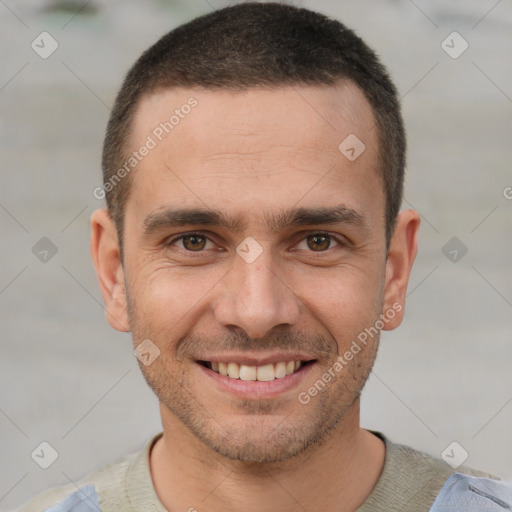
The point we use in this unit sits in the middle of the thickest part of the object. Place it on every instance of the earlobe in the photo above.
(109, 269)
(402, 253)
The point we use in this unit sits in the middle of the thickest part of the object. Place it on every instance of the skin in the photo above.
(254, 153)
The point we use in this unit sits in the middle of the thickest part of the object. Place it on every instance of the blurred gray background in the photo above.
(68, 379)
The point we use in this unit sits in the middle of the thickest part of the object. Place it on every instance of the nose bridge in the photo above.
(256, 298)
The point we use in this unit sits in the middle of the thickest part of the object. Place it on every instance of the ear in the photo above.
(402, 252)
(109, 269)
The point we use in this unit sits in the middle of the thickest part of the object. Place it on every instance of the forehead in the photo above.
(305, 116)
(262, 147)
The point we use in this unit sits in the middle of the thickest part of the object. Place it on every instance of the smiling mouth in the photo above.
(263, 373)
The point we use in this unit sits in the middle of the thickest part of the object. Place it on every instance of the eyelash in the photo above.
(340, 242)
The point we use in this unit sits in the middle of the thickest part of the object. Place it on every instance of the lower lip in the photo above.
(256, 389)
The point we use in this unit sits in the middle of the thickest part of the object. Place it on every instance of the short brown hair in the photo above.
(250, 45)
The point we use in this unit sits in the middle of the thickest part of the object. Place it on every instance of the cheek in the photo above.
(165, 300)
(345, 302)
(348, 285)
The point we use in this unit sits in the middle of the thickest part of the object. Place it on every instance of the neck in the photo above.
(337, 474)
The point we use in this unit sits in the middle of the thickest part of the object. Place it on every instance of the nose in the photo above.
(255, 298)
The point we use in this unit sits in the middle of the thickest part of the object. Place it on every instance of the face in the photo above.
(252, 242)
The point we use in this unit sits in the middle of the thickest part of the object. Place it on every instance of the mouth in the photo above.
(261, 373)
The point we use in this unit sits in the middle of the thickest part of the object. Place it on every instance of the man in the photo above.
(253, 246)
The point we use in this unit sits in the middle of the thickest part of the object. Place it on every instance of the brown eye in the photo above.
(319, 242)
(194, 242)
(191, 242)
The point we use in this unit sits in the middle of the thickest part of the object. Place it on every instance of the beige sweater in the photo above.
(410, 482)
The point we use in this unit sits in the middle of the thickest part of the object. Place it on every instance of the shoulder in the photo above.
(411, 478)
(63, 499)
(106, 486)
(406, 459)
(109, 478)
(468, 494)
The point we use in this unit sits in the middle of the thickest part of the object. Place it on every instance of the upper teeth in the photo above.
(263, 373)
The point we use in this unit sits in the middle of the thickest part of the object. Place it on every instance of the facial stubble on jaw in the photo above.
(260, 431)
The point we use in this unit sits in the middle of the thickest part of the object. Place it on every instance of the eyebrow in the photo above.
(177, 217)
